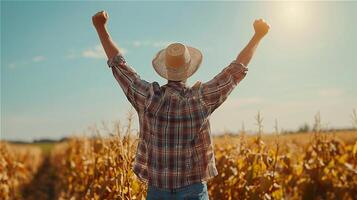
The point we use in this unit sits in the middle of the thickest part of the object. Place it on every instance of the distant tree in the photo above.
(285, 132)
(44, 141)
(63, 139)
(304, 128)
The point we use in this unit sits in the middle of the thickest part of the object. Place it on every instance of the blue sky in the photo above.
(55, 81)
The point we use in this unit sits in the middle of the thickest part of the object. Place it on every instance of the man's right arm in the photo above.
(135, 89)
(99, 21)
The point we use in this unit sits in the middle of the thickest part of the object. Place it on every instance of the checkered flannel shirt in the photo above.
(175, 147)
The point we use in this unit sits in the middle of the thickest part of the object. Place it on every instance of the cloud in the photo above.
(12, 65)
(148, 43)
(137, 43)
(35, 59)
(330, 92)
(38, 58)
(161, 44)
(96, 52)
(123, 51)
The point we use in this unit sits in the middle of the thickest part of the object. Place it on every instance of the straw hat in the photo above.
(177, 62)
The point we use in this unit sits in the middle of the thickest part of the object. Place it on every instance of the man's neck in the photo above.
(183, 82)
(180, 83)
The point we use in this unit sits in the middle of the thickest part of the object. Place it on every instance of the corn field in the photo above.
(18, 165)
(323, 166)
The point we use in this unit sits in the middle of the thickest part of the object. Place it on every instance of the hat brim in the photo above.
(159, 65)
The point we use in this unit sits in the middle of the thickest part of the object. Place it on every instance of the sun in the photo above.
(295, 14)
(295, 20)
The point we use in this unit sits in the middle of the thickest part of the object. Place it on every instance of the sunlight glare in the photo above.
(294, 15)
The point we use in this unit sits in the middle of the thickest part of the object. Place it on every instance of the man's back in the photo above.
(178, 142)
(175, 146)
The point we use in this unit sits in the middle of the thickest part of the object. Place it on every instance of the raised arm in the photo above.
(216, 91)
(261, 29)
(135, 89)
(99, 21)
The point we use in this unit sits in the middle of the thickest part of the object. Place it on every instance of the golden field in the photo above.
(314, 165)
(18, 165)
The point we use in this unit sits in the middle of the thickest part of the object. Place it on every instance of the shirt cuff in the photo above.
(237, 68)
(116, 61)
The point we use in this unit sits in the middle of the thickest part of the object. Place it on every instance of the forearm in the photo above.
(247, 53)
(108, 44)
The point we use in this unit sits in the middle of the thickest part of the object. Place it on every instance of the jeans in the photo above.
(196, 191)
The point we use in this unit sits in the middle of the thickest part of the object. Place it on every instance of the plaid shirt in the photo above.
(175, 147)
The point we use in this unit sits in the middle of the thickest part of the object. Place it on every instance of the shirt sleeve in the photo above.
(136, 90)
(216, 91)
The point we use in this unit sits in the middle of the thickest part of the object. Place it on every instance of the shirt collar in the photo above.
(177, 85)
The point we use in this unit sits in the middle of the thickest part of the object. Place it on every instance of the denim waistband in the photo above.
(174, 190)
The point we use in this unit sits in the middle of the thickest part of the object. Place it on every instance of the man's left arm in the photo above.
(216, 91)
(261, 29)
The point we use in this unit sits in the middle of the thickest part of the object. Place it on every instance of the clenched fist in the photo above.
(261, 27)
(100, 18)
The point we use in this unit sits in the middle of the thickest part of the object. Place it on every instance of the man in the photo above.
(175, 155)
